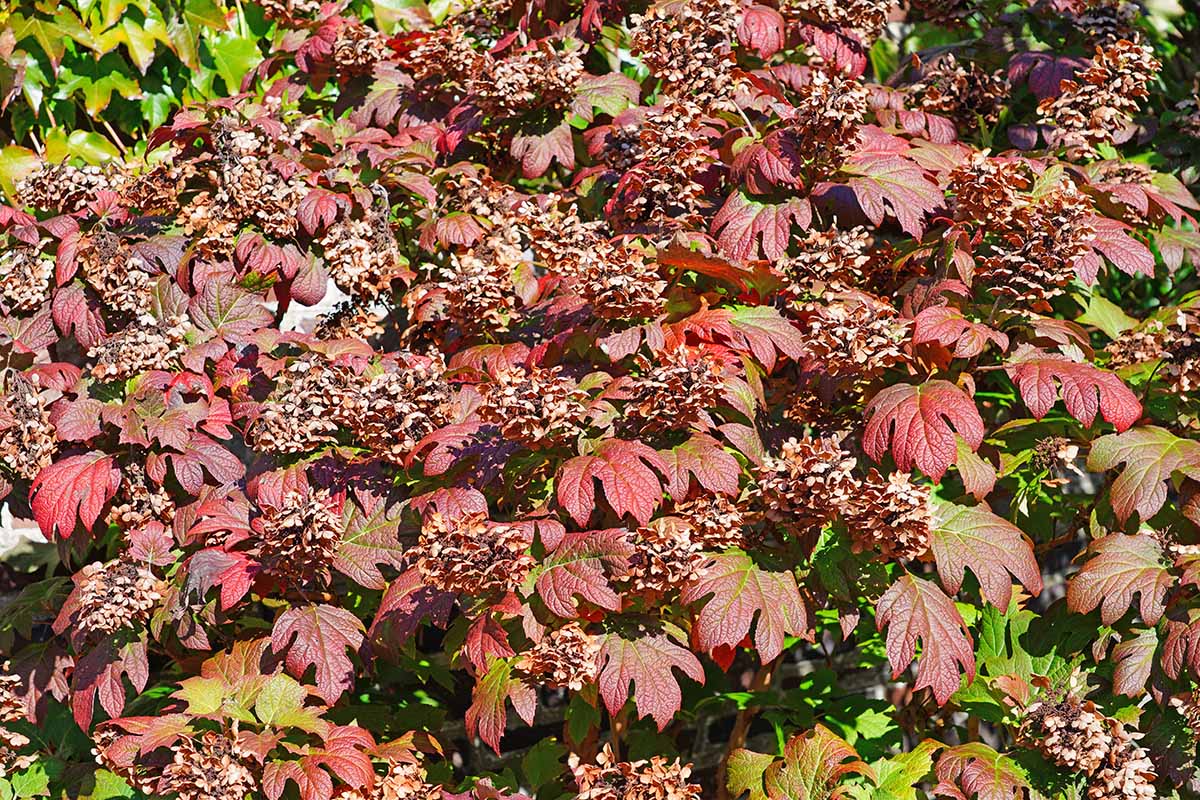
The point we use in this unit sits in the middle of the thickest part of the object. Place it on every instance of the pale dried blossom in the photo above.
(27, 438)
(988, 190)
(111, 596)
(394, 405)
(146, 344)
(675, 390)
(64, 187)
(478, 283)
(122, 278)
(616, 281)
(655, 779)
(541, 76)
(349, 320)
(852, 335)
(1104, 22)
(891, 515)
(966, 93)
(403, 781)
(864, 17)
(290, 9)
(1174, 342)
(664, 558)
(299, 537)
(362, 255)
(830, 257)
(248, 189)
(1098, 104)
(688, 47)
(538, 407)
(211, 766)
(566, 658)
(24, 277)
(716, 522)
(442, 56)
(358, 48)
(297, 417)
(138, 501)
(808, 483)
(12, 709)
(1074, 733)
(822, 124)
(471, 554)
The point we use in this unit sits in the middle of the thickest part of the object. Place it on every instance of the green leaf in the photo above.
(203, 695)
(234, 56)
(898, 776)
(15, 163)
(280, 704)
(108, 786)
(1107, 316)
(87, 145)
(184, 31)
(543, 763)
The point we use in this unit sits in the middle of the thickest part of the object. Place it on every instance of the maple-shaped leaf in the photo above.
(701, 457)
(369, 539)
(915, 609)
(738, 591)
(1133, 660)
(405, 604)
(226, 311)
(915, 422)
(1182, 646)
(1121, 566)
(1113, 241)
(742, 221)
(98, 675)
(1151, 456)
(646, 662)
(202, 454)
(812, 767)
(576, 568)
(1085, 389)
(233, 572)
(962, 537)
(765, 331)
(344, 751)
(947, 326)
(889, 182)
(487, 715)
(977, 473)
(535, 151)
(72, 490)
(763, 29)
(626, 470)
(319, 208)
(318, 636)
(974, 770)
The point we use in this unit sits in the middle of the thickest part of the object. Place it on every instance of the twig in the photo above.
(741, 726)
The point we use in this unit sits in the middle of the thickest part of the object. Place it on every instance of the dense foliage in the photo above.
(765, 362)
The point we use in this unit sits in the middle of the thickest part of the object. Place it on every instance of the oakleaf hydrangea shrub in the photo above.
(704, 399)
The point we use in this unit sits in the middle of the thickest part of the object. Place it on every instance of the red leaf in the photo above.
(914, 420)
(319, 635)
(1133, 661)
(990, 546)
(981, 772)
(487, 714)
(740, 591)
(73, 489)
(624, 470)
(762, 28)
(98, 676)
(892, 182)
(319, 209)
(536, 151)
(914, 609)
(576, 567)
(1151, 455)
(369, 538)
(1121, 567)
(741, 221)
(1126, 253)
(645, 662)
(947, 326)
(405, 604)
(703, 457)
(1085, 389)
(223, 310)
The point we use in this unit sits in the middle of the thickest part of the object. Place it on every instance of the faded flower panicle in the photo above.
(147, 344)
(832, 257)
(12, 709)
(349, 320)
(121, 278)
(209, 767)
(609, 779)
(479, 282)
(66, 188)
(113, 595)
(27, 439)
(441, 57)
(616, 281)
(688, 47)
(290, 9)
(1176, 342)
(716, 522)
(1188, 707)
(675, 390)
(472, 555)
(139, 501)
(358, 48)
(299, 538)
(538, 77)
(1073, 733)
(1054, 453)
(853, 336)
(823, 123)
(24, 277)
(405, 781)
(890, 515)
(966, 93)
(1034, 257)
(362, 255)
(248, 189)
(1104, 22)
(298, 415)
(665, 558)
(865, 17)
(567, 658)
(988, 190)
(391, 407)
(808, 483)
(1098, 104)
(538, 407)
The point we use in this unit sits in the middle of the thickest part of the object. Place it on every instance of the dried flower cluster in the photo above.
(109, 597)
(208, 767)
(299, 537)
(565, 658)
(27, 441)
(471, 554)
(647, 779)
